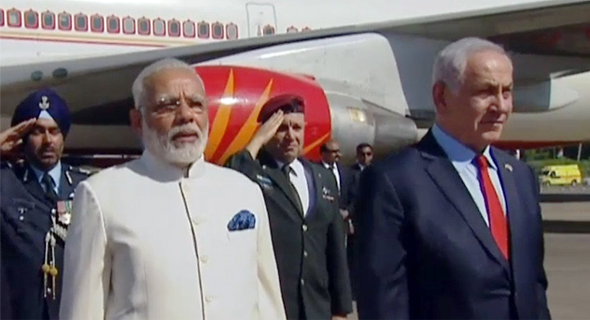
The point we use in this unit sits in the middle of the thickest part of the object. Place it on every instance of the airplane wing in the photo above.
(554, 28)
(560, 29)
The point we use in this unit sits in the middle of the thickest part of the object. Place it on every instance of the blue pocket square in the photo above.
(242, 220)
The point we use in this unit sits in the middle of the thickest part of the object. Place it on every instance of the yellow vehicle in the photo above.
(569, 174)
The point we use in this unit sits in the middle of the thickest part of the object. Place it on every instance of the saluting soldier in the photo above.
(302, 202)
(36, 204)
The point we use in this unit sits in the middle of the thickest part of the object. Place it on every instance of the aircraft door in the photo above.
(262, 19)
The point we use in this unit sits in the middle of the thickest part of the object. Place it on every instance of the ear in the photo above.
(136, 118)
(439, 96)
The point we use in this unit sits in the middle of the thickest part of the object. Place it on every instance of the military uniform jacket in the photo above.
(309, 249)
(151, 242)
(26, 219)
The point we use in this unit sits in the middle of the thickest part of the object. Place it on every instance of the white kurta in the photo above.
(147, 243)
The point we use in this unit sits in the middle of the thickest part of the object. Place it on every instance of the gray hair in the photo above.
(450, 62)
(138, 88)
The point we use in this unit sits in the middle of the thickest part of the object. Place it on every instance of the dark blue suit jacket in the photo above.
(424, 251)
(25, 220)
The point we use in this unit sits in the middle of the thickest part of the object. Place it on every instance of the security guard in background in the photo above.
(36, 205)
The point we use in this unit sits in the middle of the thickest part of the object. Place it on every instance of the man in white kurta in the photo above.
(150, 240)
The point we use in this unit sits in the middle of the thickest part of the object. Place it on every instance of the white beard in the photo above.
(176, 153)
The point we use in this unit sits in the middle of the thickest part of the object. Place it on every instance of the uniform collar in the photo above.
(165, 172)
(54, 173)
(456, 151)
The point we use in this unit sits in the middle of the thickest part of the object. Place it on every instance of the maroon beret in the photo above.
(289, 103)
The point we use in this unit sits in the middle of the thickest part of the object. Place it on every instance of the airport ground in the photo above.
(566, 213)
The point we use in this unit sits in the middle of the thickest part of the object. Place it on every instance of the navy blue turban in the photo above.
(44, 103)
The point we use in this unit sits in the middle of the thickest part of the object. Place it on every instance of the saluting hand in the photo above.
(12, 137)
(266, 131)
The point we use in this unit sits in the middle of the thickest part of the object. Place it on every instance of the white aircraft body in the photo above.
(371, 60)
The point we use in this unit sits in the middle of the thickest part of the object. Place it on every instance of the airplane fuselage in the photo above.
(395, 75)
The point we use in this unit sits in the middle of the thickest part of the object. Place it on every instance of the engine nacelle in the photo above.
(355, 121)
(236, 95)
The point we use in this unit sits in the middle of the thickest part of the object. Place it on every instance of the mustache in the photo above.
(187, 128)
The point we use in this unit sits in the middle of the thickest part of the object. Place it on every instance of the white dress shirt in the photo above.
(299, 181)
(462, 159)
(146, 242)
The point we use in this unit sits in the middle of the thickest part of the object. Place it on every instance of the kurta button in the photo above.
(204, 259)
(304, 227)
(302, 282)
(21, 218)
(305, 253)
(49, 290)
(208, 299)
(53, 210)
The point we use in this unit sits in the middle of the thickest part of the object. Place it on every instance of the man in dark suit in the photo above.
(364, 156)
(451, 228)
(302, 203)
(36, 206)
(330, 152)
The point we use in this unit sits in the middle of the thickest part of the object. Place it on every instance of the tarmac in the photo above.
(566, 216)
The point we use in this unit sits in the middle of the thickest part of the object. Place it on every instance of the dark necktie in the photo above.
(498, 223)
(286, 169)
(49, 186)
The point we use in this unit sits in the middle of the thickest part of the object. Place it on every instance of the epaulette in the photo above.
(5, 164)
(79, 170)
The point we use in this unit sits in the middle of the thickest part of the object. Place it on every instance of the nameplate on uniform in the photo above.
(264, 181)
(326, 194)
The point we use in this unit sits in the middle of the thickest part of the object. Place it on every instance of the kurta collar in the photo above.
(165, 172)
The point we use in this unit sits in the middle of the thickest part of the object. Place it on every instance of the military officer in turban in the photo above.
(36, 205)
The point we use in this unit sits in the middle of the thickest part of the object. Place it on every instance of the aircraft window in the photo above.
(81, 22)
(48, 20)
(1, 18)
(128, 25)
(217, 30)
(159, 27)
(231, 31)
(203, 30)
(65, 21)
(97, 23)
(174, 28)
(14, 18)
(188, 28)
(292, 29)
(113, 24)
(268, 30)
(143, 26)
(31, 20)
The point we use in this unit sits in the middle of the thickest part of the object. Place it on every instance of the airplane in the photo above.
(363, 67)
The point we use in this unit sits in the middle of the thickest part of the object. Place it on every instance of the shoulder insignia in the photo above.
(80, 170)
(69, 177)
(6, 164)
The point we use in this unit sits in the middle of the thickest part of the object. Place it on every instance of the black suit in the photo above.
(426, 251)
(309, 249)
(26, 219)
